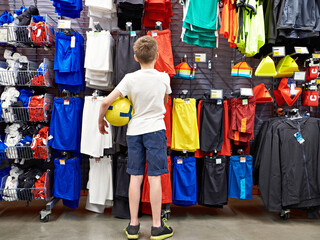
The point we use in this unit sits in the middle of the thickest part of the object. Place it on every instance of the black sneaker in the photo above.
(132, 232)
(163, 232)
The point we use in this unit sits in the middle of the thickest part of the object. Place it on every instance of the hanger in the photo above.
(158, 25)
(65, 94)
(129, 26)
(97, 27)
(183, 94)
(184, 154)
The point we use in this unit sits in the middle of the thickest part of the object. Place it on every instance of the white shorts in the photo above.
(93, 142)
(99, 51)
(100, 182)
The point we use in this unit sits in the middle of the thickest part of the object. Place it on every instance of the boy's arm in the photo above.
(106, 102)
(166, 98)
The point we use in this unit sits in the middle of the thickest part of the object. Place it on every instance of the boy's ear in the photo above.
(135, 58)
(157, 56)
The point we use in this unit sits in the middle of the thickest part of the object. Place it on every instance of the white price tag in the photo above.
(200, 57)
(301, 50)
(73, 42)
(216, 94)
(246, 92)
(299, 76)
(3, 35)
(64, 24)
(187, 101)
(179, 161)
(62, 162)
(218, 161)
(242, 159)
(50, 137)
(154, 34)
(279, 51)
(219, 102)
(66, 102)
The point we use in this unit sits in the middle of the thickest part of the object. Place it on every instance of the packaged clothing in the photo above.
(151, 87)
(25, 17)
(67, 179)
(100, 182)
(124, 57)
(68, 8)
(286, 163)
(184, 181)
(214, 185)
(90, 129)
(240, 177)
(185, 133)
(36, 109)
(39, 144)
(165, 61)
(157, 10)
(69, 61)
(3, 173)
(211, 131)
(10, 188)
(65, 125)
(99, 71)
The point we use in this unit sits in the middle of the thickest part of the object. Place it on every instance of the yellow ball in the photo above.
(120, 112)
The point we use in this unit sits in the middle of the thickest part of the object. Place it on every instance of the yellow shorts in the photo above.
(185, 135)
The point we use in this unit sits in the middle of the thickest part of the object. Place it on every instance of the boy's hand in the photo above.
(102, 127)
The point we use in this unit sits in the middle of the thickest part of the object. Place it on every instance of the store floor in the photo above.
(240, 220)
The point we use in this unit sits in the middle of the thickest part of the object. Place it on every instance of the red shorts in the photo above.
(165, 183)
(165, 61)
(168, 121)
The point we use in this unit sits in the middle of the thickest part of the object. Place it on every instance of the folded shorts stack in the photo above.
(99, 60)
(68, 8)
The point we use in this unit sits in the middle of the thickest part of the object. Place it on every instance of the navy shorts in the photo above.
(151, 146)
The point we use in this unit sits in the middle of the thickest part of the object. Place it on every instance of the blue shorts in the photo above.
(240, 177)
(67, 179)
(65, 126)
(152, 146)
(184, 181)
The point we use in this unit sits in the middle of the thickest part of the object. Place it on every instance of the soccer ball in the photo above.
(120, 112)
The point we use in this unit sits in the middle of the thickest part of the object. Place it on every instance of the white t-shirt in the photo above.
(146, 90)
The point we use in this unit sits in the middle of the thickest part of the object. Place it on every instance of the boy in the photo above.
(148, 91)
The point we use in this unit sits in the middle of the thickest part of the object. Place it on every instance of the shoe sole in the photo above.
(136, 236)
(161, 236)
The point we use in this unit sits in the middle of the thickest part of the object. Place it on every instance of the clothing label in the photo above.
(66, 102)
(3, 35)
(66, 24)
(154, 34)
(179, 161)
(187, 101)
(73, 42)
(219, 102)
(218, 161)
(299, 138)
(62, 162)
(244, 101)
(242, 159)
(39, 33)
(50, 137)
(133, 33)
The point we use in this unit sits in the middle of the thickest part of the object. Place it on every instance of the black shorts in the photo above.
(122, 177)
(124, 60)
(211, 127)
(214, 189)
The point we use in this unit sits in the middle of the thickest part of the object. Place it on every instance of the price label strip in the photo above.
(279, 51)
(3, 35)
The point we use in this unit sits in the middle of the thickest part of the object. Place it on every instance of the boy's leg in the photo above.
(155, 199)
(134, 198)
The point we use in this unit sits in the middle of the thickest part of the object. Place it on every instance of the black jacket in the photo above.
(289, 172)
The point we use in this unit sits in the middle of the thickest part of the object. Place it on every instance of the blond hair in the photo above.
(145, 49)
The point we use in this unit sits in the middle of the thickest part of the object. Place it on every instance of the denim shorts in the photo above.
(151, 147)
